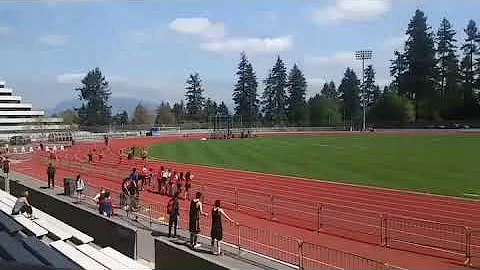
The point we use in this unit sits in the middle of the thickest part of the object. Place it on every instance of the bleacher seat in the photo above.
(54, 230)
(77, 256)
(68, 230)
(102, 258)
(48, 255)
(30, 227)
(8, 224)
(12, 249)
(123, 259)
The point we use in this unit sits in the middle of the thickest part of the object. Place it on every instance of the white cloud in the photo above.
(338, 58)
(352, 10)
(70, 78)
(74, 78)
(251, 45)
(54, 40)
(198, 26)
(4, 30)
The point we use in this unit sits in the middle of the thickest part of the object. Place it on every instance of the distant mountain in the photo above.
(118, 104)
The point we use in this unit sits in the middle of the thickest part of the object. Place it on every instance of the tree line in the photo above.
(435, 78)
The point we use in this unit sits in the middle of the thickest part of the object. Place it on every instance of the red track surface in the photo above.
(302, 193)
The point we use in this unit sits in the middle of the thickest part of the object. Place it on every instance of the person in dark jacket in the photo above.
(173, 208)
(51, 175)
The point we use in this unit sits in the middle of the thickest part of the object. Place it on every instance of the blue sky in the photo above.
(147, 48)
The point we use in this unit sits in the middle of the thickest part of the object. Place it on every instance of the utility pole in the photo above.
(363, 55)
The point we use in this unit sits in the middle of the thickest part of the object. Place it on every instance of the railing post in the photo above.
(272, 214)
(300, 254)
(149, 209)
(236, 199)
(468, 246)
(384, 222)
(319, 219)
(239, 249)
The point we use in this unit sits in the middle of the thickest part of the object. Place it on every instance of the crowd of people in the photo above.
(177, 186)
(164, 181)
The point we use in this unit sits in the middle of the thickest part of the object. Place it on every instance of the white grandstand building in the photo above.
(17, 118)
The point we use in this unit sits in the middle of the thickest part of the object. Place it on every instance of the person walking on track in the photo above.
(194, 220)
(51, 175)
(217, 228)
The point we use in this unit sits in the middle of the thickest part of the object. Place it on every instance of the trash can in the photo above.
(68, 186)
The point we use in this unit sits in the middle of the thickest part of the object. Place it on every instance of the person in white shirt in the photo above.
(80, 187)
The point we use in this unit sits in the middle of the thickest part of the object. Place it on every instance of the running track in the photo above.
(108, 173)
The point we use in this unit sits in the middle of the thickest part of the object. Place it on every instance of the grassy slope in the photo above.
(441, 165)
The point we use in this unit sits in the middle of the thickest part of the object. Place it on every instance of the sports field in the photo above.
(446, 165)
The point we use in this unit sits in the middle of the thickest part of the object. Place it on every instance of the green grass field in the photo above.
(446, 165)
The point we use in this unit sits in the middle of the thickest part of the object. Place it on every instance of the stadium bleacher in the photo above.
(48, 243)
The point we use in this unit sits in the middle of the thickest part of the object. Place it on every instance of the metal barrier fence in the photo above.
(393, 231)
(304, 255)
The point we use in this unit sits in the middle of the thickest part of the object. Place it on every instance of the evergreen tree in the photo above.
(223, 109)
(469, 49)
(141, 115)
(324, 111)
(392, 108)
(210, 107)
(245, 94)
(420, 78)
(96, 93)
(447, 60)
(179, 111)
(69, 117)
(274, 96)
(398, 69)
(329, 90)
(120, 118)
(165, 114)
(194, 96)
(349, 91)
(372, 91)
(297, 89)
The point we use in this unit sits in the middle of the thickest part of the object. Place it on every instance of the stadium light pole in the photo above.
(363, 55)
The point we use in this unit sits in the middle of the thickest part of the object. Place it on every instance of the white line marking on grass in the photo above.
(471, 195)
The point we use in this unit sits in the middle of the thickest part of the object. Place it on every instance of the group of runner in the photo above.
(165, 181)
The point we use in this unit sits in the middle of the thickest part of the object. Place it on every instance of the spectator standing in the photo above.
(106, 205)
(6, 166)
(80, 184)
(180, 183)
(216, 232)
(171, 183)
(51, 170)
(149, 176)
(22, 205)
(99, 198)
(188, 185)
(173, 211)
(165, 176)
(134, 175)
(194, 219)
